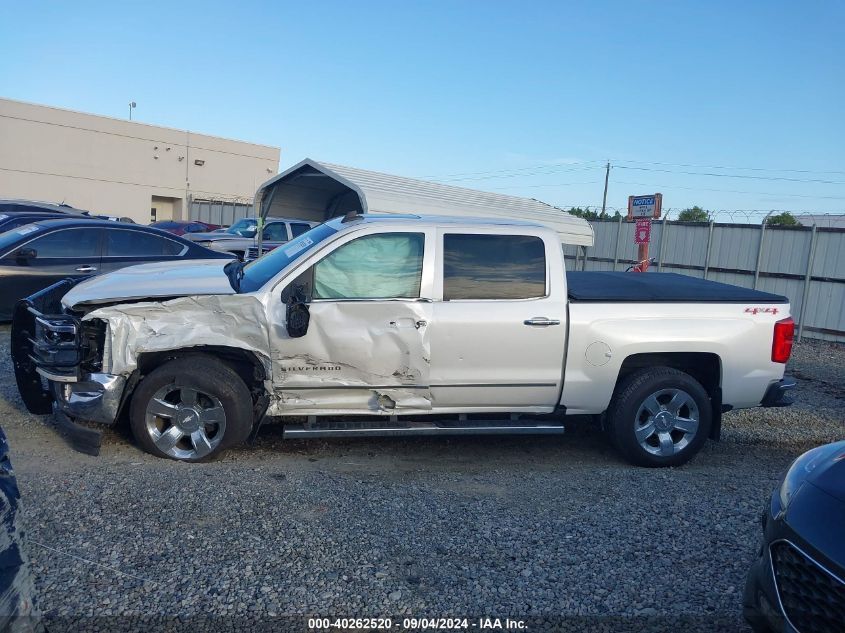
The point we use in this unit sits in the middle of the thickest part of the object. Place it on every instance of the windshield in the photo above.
(244, 224)
(260, 271)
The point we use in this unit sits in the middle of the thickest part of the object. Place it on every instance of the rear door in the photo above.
(67, 252)
(498, 333)
(126, 247)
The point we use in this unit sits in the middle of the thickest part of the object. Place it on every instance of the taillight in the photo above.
(782, 341)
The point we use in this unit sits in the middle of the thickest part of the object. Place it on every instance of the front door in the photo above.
(366, 349)
(498, 335)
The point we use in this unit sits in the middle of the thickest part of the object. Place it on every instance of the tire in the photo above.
(190, 409)
(654, 404)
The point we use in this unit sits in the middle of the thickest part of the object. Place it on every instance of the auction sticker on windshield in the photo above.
(297, 246)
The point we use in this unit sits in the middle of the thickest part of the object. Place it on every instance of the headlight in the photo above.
(803, 467)
(206, 243)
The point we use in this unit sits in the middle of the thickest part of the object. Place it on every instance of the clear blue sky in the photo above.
(539, 93)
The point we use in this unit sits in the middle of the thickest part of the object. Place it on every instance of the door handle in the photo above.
(86, 269)
(541, 321)
(408, 322)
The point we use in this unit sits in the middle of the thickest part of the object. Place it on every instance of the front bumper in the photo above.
(58, 360)
(806, 593)
(777, 395)
(95, 398)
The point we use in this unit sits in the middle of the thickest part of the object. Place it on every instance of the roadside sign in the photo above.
(645, 206)
(642, 232)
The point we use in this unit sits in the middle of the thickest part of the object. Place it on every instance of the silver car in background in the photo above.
(241, 239)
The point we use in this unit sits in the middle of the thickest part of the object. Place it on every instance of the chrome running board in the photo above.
(396, 429)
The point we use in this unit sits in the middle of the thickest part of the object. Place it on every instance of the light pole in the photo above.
(132, 105)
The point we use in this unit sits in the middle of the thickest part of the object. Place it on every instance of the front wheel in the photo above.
(190, 409)
(659, 416)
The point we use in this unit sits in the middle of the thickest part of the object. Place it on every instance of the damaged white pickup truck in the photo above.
(402, 325)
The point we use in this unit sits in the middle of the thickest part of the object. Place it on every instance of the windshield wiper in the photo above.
(235, 272)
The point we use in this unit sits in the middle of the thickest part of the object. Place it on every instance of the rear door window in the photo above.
(128, 243)
(298, 228)
(276, 232)
(493, 267)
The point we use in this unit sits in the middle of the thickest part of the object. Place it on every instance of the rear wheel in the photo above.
(190, 409)
(659, 417)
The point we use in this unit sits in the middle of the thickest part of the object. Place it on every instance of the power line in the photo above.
(751, 193)
(514, 169)
(526, 174)
(744, 176)
(548, 184)
(631, 164)
(766, 169)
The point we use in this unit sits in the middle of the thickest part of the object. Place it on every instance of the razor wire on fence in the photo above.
(728, 216)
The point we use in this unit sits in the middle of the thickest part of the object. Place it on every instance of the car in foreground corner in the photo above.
(797, 582)
(38, 255)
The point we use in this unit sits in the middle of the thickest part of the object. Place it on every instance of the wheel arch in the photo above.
(243, 362)
(705, 367)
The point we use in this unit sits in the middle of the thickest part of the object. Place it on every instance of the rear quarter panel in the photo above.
(603, 335)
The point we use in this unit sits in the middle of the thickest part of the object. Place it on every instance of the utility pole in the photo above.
(604, 198)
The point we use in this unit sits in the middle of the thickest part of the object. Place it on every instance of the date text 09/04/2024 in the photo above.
(417, 624)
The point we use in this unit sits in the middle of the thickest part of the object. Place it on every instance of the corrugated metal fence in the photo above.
(807, 264)
(219, 211)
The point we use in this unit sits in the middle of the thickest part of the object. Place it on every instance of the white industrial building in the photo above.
(123, 168)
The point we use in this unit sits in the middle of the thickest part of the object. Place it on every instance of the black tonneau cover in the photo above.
(659, 287)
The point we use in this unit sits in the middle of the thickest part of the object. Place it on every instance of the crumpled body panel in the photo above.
(369, 356)
(227, 320)
(356, 357)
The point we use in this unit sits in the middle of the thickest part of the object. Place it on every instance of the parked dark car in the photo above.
(797, 582)
(14, 220)
(9, 207)
(37, 255)
(181, 228)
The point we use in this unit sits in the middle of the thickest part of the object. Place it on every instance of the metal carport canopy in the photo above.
(316, 191)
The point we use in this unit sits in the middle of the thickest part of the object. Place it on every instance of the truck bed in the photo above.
(614, 287)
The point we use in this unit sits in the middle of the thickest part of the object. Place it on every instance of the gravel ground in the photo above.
(555, 531)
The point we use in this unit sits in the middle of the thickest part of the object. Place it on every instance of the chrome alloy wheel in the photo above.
(185, 423)
(666, 422)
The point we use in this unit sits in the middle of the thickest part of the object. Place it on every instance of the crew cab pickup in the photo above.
(402, 325)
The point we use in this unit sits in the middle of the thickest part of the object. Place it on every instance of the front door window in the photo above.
(383, 266)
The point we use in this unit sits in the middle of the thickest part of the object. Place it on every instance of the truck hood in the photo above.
(156, 280)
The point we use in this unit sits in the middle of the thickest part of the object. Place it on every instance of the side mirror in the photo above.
(247, 232)
(298, 318)
(297, 315)
(24, 255)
